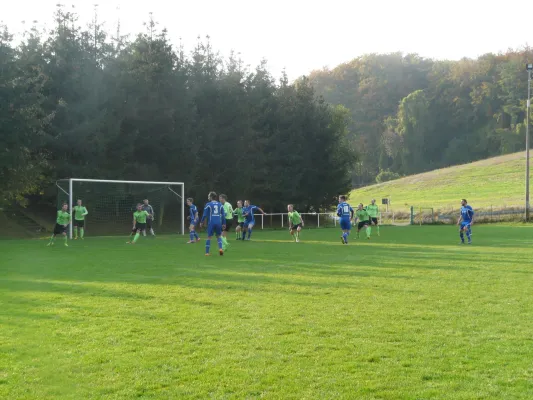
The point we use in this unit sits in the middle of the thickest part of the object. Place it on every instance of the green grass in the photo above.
(408, 315)
(496, 181)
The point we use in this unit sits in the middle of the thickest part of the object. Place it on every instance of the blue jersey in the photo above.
(344, 210)
(214, 213)
(248, 213)
(467, 213)
(192, 211)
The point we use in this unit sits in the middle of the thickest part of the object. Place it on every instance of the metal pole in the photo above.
(70, 200)
(527, 142)
(183, 209)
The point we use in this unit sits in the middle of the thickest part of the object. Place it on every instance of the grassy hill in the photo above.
(497, 182)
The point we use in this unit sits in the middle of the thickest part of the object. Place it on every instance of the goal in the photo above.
(111, 203)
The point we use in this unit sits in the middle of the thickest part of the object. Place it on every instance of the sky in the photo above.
(300, 36)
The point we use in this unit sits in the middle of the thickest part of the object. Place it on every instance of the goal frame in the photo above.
(71, 195)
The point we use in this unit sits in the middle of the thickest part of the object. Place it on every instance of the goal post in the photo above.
(111, 203)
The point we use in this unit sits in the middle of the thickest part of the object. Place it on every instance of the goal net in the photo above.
(423, 215)
(111, 204)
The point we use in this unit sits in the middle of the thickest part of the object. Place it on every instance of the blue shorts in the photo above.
(251, 222)
(346, 224)
(214, 228)
(193, 222)
(465, 224)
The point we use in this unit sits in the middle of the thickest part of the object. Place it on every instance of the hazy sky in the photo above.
(304, 35)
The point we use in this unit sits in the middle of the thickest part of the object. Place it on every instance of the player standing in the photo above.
(345, 212)
(228, 214)
(373, 213)
(249, 218)
(79, 219)
(238, 212)
(193, 220)
(139, 223)
(214, 213)
(295, 222)
(364, 220)
(465, 221)
(149, 221)
(62, 221)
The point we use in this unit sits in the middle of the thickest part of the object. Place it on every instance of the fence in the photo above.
(490, 214)
(316, 220)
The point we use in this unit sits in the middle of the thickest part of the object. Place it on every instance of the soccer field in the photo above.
(408, 315)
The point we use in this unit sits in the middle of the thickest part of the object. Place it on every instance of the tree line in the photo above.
(409, 114)
(84, 103)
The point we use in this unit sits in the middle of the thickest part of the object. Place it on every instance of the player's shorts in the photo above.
(374, 220)
(229, 224)
(214, 229)
(149, 223)
(295, 227)
(248, 223)
(139, 227)
(346, 224)
(193, 222)
(80, 223)
(241, 224)
(361, 224)
(59, 229)
(465, 224)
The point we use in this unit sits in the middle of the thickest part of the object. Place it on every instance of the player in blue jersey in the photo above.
(465, 222)
(193, 221)
(249, 220)
(216, 222)
(345, 213)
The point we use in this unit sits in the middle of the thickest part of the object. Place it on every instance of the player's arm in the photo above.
(339, 210)
(262, 212)
(152, 212)
(301, 219)
(85, 212)
(460, 219)
(134, 222)
(471, 216)
(351, 212)
(204, 216)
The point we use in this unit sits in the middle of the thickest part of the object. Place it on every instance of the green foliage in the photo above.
(408, 315)
(387, 175)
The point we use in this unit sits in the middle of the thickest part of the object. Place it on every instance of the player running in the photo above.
(62, 221)
(364, 220)
(249, 218)
(465, 222)
(345, 212)
(296, 222)
(150, 220)
(228, 213)
(79, 219)
(216, 221)
(193, 221)
(139, 223)
(373, 213)
(238, 212)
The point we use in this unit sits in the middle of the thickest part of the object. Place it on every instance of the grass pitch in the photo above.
(408, 315)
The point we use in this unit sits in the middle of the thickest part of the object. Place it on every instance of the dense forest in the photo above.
(409, 114)
(80, 102)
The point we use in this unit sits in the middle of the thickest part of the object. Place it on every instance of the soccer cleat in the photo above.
(207, 254)
(197, 240)
(221, 252)
(75, 238)
(66, 245)
(50, 244)
(368, 237)
(191, 241)
(342, 240)
(297, 240)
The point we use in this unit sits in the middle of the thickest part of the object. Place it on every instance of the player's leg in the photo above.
(376, 223)
(81, 227)
(238, 232)
(144, 230)
(298, 230)
(225, 233)
(151, 224)
(244, 229)
(218, 232)
(368, 230)
(208, 241)
(461, 233)
(468, 233)
(65, 237)
(192, 233)
(75, 229)
(141, 228)
(250, 228)
(343, 228)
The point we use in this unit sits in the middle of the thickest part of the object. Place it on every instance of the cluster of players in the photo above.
(219, 214)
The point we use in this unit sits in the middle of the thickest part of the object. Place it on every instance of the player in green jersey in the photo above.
(362, 216)
(79, 219)
(62, 221)
(139, 223)
(238, 212)
(295, 222)
(373, 212)
(228, 213)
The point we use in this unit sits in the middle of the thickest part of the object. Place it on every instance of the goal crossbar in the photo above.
(71, 194)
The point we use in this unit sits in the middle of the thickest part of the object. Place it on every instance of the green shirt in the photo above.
(228, 210)
(238, 213)
(373, 210)
(294, 218)
(79, 213)
(140, 216)
(63, 217)
(362, 215)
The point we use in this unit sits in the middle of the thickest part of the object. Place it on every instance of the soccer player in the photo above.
(373, 212)
(238, 212)
(62, 221)
(295, 222)
(345, 212)
(79, 219)
(364, 220)
(139, 222)
(228, 213)
(193, 220)
(249, 218)
(149, 221)
(216, 221)
(465, 222)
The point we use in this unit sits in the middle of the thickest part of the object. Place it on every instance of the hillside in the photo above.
(497, 182)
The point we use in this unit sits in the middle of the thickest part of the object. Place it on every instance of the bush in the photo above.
(386, 175)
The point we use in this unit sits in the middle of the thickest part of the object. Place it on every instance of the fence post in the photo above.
(282, 220)
(318, 221)
(262, 221)
(412, 215)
